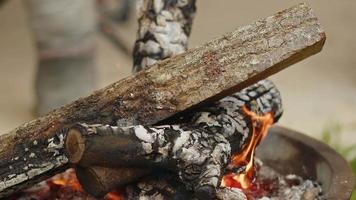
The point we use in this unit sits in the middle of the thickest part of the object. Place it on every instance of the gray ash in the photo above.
(271, 185)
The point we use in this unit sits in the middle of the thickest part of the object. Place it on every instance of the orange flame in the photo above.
(69, 179)
(113, 196)
(261, 124)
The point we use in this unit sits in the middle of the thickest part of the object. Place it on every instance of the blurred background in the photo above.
(319, 93)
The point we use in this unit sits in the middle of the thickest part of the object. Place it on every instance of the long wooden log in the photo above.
(34, 151)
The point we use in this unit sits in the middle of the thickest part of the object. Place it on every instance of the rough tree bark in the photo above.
(35, 150)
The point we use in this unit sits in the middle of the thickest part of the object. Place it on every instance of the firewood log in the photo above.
(197, 151)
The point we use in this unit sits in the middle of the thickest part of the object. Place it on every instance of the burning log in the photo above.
(34, 151)
(197, 151)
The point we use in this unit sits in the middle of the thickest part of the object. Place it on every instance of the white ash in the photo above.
(290, 186)
(230, 194)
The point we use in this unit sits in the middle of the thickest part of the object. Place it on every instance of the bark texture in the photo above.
(227, 64)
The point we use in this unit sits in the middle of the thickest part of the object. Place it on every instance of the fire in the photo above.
(113, 196)
(69, 179)
(244, 180)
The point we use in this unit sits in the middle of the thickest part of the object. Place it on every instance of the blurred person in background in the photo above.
(64, 31)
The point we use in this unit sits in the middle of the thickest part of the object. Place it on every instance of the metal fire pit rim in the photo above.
(342, 178)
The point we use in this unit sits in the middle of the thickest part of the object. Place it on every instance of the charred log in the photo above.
(198, 151)
(111, 146)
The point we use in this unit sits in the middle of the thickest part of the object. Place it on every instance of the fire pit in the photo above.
(295, 153)
(168, 133)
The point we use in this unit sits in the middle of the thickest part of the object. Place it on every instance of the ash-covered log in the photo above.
(143, 146)
(34, 151)
(198, 152)
(165, 186)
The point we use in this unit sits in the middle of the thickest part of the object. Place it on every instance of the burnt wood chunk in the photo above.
(35, 150)
(197, 151)
(143, 146)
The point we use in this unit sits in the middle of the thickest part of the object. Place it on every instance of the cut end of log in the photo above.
(75, 145)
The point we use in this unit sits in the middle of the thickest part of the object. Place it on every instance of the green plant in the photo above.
(331, 135)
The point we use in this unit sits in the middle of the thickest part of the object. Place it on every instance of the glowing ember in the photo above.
(244, 159)
(113, 196)
(69, 180)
